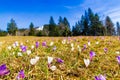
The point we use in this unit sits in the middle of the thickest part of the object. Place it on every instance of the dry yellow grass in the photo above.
(73, 67)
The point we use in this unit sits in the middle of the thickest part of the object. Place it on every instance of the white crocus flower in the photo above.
(79, 48)
(117, 52)
(53, 68)
(28, 52)
(50, 59)
(19, 54)
(13, 45)
(33, 61)
(72, 44)
(87, 62)
(64, 41)
(72, 49)
(32, 47)
(37, 58)
(51, 43)
(17, 44)
(97, 42)
(89, 43)
(9, 47)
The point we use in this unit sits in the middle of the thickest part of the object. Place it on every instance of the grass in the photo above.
(73, 67)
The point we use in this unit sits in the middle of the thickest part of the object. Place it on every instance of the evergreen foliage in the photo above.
(12, 27)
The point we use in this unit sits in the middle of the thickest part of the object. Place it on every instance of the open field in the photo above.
(60, 58)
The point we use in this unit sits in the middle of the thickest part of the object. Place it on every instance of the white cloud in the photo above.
(70, 7)
(116, 9)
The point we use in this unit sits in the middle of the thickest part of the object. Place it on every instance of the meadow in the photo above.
(60, 58)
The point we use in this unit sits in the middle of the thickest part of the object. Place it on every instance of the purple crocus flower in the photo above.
(92, 54)
(118, 59)
(85, 46)
(21, 75)
(37, 44)
(23, 48)
(16, 44)
(100, 77)
(68, 38)
(54, 48)
(59, 60)
(4, 70)
(105, 50)
(44, 43)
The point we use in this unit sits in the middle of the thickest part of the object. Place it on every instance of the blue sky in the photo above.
(39, 11)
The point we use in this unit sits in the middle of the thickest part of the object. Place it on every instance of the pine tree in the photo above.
(60, 21)
(31, 28)
(118, 28)
(64, 27)
(89, 24)
(52, 22)
(96, 28)
(46, 30)
(66, 23)
(109, 26)
(86, 24)
(67, 31)
(53, 31)
(12, 27)
(77, 29)
(61, 26)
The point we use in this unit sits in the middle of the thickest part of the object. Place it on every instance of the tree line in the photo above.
(88, 25)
